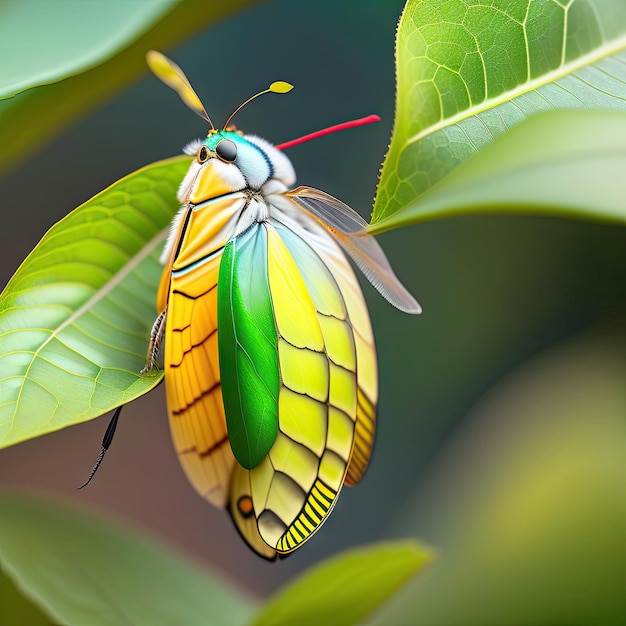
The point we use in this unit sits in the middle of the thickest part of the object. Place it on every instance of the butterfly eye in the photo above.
(203, 154)
(226, 150)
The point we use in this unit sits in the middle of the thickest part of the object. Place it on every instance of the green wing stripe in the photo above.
(247, 344)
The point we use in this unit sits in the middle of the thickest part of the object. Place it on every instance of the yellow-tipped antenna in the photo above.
(167, 71)
(279, 86)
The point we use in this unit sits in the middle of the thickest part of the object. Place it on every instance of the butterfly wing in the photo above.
(322, 248)
(192, 374)
(192, 382)
(241, 510)
(192, 371)
(295, 486)
(348, 229)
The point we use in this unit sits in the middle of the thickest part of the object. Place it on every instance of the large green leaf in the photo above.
(527, 505)
(18, 609)
(468, 71)
(346, 588)
(75, 318)
(74, 36)
(562, 163)
(34, 117)
(83, 570)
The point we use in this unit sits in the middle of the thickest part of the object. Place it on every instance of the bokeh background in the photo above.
(502, 416)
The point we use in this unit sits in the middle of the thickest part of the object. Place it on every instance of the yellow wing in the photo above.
(241, 510)
(367, 370)
(358, 316)
(321, 406)
(192, 376)
(192, 382)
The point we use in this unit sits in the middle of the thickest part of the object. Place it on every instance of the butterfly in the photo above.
(269, 358)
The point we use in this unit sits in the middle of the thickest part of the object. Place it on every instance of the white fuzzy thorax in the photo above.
(251, 170)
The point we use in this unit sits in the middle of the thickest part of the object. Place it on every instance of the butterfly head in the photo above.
(227, 160)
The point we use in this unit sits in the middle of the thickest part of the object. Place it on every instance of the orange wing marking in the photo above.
(192, 381)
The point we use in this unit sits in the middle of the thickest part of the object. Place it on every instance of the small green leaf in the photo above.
(83, 570)
(346, 588)
(248, 347)
(561, 163)
(75, 318)
(468, 71)
(74, 35)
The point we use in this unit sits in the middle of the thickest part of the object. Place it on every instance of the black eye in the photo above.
(203, 154)
(226, 150)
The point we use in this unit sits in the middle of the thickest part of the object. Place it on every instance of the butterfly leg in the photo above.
(154, 347)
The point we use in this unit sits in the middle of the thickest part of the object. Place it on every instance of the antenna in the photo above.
(166, 70)
(327, 131)
(279, 86)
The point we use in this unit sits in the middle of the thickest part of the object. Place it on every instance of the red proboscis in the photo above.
(327, 131)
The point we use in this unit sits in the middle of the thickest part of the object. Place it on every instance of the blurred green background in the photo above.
(502, 417)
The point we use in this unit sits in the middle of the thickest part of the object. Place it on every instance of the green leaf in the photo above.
(346, 588)
(248, 347)
(74, 35)
(527, 506)
(468, 71)
(18, 609)
(75, 318)
(567, 164)
(34, 117)
(84, 570)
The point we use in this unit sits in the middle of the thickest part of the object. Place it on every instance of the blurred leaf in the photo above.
(469, 71)
(528, 505)
(75, 318)
(15, 609)
(346, 588)
(74, 36)
(87, 571)
(33, 118)
(561, 163)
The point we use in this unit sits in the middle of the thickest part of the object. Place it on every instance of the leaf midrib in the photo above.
(608, 49)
